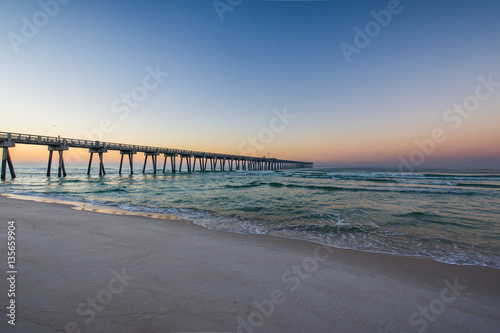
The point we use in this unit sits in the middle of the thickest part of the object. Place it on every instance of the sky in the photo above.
(408, 84)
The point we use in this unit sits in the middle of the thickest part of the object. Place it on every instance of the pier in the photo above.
(213, 160)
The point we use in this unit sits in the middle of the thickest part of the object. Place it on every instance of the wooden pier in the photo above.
(232, 162)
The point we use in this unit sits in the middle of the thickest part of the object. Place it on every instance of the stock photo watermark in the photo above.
(87, 310)
(420, 319)
(223, 6)
(122, 106)
(292, 279)
(373, 28)
(127, 101)
(30, 27)
(454, 117)
(11, 272)
(277, 124)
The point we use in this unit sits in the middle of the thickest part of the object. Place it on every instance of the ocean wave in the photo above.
(110, 190)
(409, 175)
(416, 214)
(252, 184)
(479, 185)
(437, 248)
(324, 228)
(308, 175)
(376, 174)
(463, 177)
(429, 217)
(441, 183)
(73, 180)
(330, 188)
(141, 209)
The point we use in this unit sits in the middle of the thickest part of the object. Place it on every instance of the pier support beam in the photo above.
(49, 163)
(201, 162)
(130, 154)
(61, 166)
(188, 163)
(154, 158)
(194, 162)
(214, 165)
(100, 152)
(172, 162)
(61, 169)
(6, 160)
(223, 164)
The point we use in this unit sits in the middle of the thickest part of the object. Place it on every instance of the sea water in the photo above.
(452, 216)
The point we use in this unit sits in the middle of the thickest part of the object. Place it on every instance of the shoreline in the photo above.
(184, 277)
(76, 205)
(83, 206)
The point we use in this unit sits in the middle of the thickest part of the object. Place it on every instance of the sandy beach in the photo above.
(85, 271)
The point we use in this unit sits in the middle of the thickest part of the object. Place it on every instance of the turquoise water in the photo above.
(450, 216)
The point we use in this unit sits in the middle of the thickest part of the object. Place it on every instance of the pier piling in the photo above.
(99, 151)
(154, 159)
(60, 148)
(130, 154)
(6, 160)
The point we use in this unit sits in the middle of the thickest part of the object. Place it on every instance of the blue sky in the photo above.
(226, 77)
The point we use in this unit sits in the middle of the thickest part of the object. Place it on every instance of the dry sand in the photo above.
(83, 271)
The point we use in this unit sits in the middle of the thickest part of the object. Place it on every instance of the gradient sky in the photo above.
(225, 78)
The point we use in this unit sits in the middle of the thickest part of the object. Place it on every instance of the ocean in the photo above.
(452, 216)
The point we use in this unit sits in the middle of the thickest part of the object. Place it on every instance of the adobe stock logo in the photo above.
(89, 309)
(127, 102)
(454, 117)
(223, 6)
(277, 124)
(428, 314)
(292, 279)
(30, 28)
